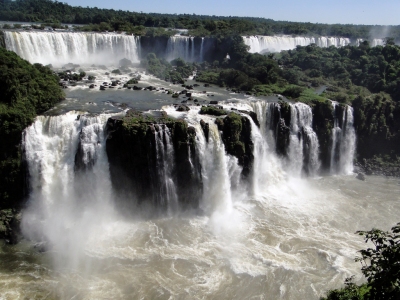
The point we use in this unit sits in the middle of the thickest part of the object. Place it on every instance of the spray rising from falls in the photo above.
(260, 44)
(72, 174)
(69, 179)
(66, 47)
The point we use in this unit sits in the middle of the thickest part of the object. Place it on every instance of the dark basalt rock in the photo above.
(2, 40)
(236, 135)
(132, 155)
(183, 108)
(323, 123)
(361, 176)
(282, 137)
(10, 220)
(206, 128)
(252, 115)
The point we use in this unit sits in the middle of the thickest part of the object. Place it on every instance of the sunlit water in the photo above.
(295, 242)
(279, 238)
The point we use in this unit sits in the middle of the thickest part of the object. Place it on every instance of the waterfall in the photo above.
(343, 140)
(165, 166)
(73, 47)
(217, 194)
(69, 177)
(372, 43)
(267, 168)
(336, 136)
(202, 50)
(260, 44)
(180, 47)
(303, 147)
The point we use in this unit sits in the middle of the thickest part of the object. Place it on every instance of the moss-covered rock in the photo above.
(213, 111)
(236, 135)
(323, 123)
(2, 41)
(132, 154)
(10, 225)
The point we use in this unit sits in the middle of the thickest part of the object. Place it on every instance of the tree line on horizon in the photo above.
(97, 19)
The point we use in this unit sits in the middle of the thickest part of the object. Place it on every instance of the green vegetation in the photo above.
(25, 91)
(213, 110)
(138, 23)
(380, 265)
(174, 72)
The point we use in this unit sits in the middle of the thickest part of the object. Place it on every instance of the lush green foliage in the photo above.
(376, 68)
(199, 25)
(380, 265)
(212, 110)
(175, 71)
(351, 291)
(25, 91)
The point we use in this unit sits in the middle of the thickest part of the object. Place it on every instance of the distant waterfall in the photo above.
(59, 48)
(165, 166)
(261, 44)
(343, 140)
(202, 50)
(372, 43)
(181, 47)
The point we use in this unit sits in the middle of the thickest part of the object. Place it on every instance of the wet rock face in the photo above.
(10, 225)
(282, 135)
(236, 135)
(134, 164)
(280, 124)
(323, 123)
(2, 41)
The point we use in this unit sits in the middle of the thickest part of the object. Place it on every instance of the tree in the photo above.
(381, 264)
(381, 267)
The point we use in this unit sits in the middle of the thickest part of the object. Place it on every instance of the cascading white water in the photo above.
(348, 142)
(59, 48)
(180, 47)
(343, 141)
(303, 146)
(217, 195)
(291, 240)
(336, 135)
(65, 203)
(372, 43)
(202, 50)
(260, 44)
(165, 166)
(267, 169)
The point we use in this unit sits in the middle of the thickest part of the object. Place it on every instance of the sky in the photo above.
(370, 12)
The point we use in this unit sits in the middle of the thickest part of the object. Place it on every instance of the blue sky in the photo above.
(380, 12)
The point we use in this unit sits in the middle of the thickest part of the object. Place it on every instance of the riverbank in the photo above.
(376, 166)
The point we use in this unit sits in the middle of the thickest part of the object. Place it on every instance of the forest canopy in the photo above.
(199, 25)
(26, 90)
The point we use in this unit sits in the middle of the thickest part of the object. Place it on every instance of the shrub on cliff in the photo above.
(26, 90)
